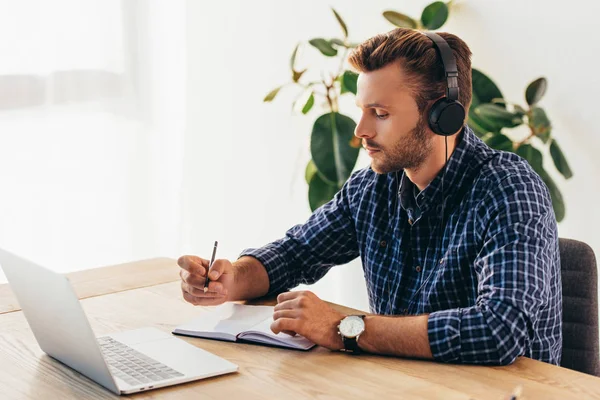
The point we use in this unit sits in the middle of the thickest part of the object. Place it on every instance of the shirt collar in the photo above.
(457, 171)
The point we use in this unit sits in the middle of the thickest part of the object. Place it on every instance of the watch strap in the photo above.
(351, 345)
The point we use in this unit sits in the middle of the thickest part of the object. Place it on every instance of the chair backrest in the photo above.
(580, 307)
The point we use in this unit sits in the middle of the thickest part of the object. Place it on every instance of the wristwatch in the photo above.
(350, 329)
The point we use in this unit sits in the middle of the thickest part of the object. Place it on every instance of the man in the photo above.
(460, 255)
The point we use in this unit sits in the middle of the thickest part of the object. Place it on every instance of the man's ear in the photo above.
(427, 113)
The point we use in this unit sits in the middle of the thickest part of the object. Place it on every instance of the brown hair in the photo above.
(419, 59)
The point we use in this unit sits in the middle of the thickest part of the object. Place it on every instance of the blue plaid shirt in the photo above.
(488, 275)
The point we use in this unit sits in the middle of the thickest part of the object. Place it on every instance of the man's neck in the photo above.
(433, 164)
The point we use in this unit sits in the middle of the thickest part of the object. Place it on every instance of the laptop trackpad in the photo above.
(175, 353)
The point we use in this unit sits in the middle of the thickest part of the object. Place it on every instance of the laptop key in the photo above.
(132, 366)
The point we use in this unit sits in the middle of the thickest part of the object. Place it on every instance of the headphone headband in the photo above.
(449, 63)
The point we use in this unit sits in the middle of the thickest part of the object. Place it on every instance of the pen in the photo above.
(212, 260)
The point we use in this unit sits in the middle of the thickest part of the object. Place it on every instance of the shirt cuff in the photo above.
(443, 330)
(275, 264)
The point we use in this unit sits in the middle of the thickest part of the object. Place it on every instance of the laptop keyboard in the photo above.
(132, 366)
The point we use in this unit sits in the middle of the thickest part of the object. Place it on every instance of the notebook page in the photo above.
(262, 333)
(225, 321)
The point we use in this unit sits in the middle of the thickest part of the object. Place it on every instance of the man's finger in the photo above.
(193, 264)
(192, 280)
(217, 269)
(284, 324)
(288, 296)
(203, 301)
(215, 289)
(293, 314)
(286, 305)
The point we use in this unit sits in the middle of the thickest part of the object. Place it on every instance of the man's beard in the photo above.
(408, 152)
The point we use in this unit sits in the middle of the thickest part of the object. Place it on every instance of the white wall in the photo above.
(93, 177)
(518, 41)
(247, 158)
(196, 156)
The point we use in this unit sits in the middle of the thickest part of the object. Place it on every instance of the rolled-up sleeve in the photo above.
(309, 250)
(515, 268)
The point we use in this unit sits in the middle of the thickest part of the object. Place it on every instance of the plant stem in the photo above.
(329, 98)
(335, 78)
(518, 144)
(341, 68)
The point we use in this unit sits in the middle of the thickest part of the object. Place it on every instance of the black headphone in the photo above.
(446, 115)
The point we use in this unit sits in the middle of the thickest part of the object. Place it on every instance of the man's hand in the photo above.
(193, 274)
(304, 313)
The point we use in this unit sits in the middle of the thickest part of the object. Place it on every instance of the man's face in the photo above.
(392, 129)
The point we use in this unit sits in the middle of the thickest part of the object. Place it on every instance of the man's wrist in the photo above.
(363, 340)
(250, 279)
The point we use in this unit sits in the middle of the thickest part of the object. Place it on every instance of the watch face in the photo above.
(352, 326)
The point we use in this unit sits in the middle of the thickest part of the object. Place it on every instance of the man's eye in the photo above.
(377, 115)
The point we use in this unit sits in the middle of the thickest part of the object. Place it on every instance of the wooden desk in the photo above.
(120, 303)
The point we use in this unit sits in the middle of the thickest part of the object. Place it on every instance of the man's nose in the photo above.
(363, 130)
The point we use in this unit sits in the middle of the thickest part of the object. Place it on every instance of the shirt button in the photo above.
(418, 268)
(441, 260)
(383, 243)
(410, 221)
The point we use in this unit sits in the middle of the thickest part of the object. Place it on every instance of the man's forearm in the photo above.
(397, 336)
(250, 279)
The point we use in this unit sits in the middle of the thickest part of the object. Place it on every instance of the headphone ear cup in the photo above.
(446, 117)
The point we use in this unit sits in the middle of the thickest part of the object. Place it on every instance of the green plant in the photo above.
(491, 118)
(334, 149)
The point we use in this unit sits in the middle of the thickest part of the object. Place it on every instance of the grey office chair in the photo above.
(580, 307)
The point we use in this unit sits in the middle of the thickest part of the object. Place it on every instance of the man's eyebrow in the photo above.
(376, 105)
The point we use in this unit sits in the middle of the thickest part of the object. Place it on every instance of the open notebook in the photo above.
(238, 322)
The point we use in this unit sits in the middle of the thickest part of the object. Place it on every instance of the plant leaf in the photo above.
(519, 110)
(535, 159)
(337, 42)
(559, 160)
(498, 115)
(309, 103)
(348, 81)
(484, 89)
(324, 47)
(540, 124)
(482, 126)
(310, 170)
(499, 141)
(271, 95)
(558, 203)
(536, 90)
(320, 192)
(400, 20)
(341, 21)
(435, 15)
(533, 156)
(330, 147)
(293, 57)
(296, 75)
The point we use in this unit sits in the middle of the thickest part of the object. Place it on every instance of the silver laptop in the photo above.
(125, 362)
